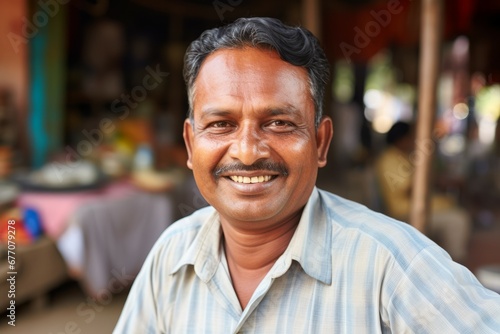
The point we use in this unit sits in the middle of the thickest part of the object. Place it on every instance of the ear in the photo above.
(323, 138)
(187, 134)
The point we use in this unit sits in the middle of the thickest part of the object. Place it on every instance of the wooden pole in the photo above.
(430, 41)
(311, 16)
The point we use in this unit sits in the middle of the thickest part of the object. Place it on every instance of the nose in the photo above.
(249, 145)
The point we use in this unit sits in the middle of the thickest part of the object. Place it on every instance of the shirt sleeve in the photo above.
(140, 309)
(436, 295)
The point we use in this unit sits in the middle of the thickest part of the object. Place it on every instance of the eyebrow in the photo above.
(272, 111)
(285, 110)
(214, 112)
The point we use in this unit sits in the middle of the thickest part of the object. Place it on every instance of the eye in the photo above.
(281, 125)
(219, 124)
(219, 127)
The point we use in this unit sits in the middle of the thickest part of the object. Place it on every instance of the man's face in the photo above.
(253, 147)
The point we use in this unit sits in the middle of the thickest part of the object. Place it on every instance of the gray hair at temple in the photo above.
(295, 45)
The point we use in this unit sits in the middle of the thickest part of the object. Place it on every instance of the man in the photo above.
(448, 223)
(273, 254)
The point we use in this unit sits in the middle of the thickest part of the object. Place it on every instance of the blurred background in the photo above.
(92, 100)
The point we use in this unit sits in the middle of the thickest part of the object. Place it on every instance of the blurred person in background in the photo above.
(448, 222)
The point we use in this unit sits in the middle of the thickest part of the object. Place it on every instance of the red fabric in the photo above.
(343, 26)
(358, 33)
(458, 17)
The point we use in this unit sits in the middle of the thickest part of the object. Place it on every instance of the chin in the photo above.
(253, 214)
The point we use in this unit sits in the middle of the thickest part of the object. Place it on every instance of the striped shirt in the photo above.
(346, 270)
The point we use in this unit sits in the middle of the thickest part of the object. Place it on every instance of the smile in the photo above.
(253, 179)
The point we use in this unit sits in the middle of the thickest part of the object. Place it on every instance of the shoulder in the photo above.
(179, 236)
(355, 224)
(190, 223)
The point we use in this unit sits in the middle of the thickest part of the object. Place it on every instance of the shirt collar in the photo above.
(204, 252)
(310, 245)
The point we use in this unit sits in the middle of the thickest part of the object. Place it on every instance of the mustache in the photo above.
(259, 165)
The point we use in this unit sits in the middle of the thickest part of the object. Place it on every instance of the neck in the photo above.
(257, 248)
(252, 252)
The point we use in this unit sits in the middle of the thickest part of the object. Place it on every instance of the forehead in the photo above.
(250, 74)
(249, 58)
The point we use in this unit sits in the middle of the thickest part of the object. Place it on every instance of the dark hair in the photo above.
(398, 130)
(294, 45)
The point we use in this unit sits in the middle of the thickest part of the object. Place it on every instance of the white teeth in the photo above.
(253, 179)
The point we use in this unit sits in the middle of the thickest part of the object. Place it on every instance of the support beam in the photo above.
(311, 18)
(430, 43)
(14, 69)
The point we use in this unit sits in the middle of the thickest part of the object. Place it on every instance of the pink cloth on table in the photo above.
(56, 208)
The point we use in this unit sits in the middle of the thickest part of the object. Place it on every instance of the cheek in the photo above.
(207, 154)
(302, 157)
(300, 152)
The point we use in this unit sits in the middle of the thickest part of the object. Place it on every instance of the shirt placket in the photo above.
(279, 268)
